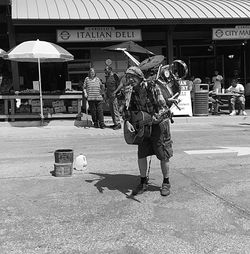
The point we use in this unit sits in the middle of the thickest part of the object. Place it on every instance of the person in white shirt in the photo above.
(238, 90)
(217, 80)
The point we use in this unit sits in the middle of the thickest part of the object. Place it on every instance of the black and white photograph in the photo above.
(124, 126)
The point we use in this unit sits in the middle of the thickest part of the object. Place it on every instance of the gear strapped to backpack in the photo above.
(169, 82)
(167, 77)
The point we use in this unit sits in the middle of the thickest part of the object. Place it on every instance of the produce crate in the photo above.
(72, 109)
(36, 109)
(35, 103)
(74, 103)
(58, 103)
(60, 109)
(24, 108)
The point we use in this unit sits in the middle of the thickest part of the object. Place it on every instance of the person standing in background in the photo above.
(93, 91)
(217, 81)
(6, 86)
(112, 82)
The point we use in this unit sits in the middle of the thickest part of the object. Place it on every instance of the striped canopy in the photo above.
(130, 9)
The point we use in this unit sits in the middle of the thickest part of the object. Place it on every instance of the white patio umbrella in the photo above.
(40, 52)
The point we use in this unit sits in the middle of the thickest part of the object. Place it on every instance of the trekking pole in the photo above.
(148, 170)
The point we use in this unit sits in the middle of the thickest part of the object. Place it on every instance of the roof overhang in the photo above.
(126, 22)
(134, 12)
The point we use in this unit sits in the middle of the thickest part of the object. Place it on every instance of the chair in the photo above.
(215, 107)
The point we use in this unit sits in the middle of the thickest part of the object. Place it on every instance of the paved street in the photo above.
(208, 210)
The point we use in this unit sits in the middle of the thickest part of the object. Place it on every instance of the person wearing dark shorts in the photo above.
(147, 97)
(158, 144)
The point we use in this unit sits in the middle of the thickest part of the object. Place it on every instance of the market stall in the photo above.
(36, 51)
(27, 106)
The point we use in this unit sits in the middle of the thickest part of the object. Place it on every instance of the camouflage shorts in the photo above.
(159, 144)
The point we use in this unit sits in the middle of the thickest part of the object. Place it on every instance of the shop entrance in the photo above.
(201, 66)
(79, 68)
(204, 66)
(234, 66)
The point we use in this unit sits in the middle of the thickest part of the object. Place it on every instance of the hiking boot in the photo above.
(103, 126)
(165, 189)
(142, 187)
(233, 113)
(244, 113)
(117, 126)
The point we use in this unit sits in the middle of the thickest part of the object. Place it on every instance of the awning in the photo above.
(129, 9)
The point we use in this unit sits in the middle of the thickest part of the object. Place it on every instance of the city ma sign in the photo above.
(235, 33)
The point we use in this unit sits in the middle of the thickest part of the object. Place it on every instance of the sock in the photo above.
(143, 179)
(166, 180)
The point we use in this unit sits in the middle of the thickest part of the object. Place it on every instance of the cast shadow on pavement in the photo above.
(121, 182)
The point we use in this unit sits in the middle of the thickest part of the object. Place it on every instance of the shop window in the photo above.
(52, 76)
(78, 69)
(80, 54)
(196, 50)
(164, 51)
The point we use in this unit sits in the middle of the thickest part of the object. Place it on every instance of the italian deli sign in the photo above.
(96, 34)
(235, 33)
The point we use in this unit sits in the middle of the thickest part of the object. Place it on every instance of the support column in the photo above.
(170, 44)
(12, 43)
(245, 62)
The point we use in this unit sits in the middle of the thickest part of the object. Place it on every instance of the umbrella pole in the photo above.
(40, 90)
(131, 57)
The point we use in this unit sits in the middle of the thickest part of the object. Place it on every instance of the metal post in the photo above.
(245, 69)
(40, 89)
(170, 47)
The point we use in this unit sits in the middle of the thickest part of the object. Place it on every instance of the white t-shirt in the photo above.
(217, 82)
(238, 88)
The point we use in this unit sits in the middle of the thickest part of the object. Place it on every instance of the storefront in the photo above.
(196, 32)
(4, 39)
(202, 55)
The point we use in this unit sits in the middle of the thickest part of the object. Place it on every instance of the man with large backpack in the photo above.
(146, 99)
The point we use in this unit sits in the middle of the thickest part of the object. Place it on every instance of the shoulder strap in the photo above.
(117, 79)
(128, 98)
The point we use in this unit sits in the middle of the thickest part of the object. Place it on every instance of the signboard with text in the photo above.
(98, 34)
(235, 33)
(185, 104)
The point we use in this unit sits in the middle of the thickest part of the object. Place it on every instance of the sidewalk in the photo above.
(91, 212)
(108, 120)
(213, 118)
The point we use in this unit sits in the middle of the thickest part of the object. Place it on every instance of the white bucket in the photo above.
(80, 163)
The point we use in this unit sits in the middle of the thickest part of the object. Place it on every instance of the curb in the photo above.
(108, 121)
(212, 119)
(56, 122)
